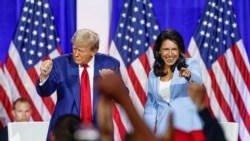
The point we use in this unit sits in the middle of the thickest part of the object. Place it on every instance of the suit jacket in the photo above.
(157, 109)
(4, 134)
(65, 78)
(212, 128)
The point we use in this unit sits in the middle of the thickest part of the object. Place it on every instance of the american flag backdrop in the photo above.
(35, 39)
(217, 44)
(5, 97)
(132, 45)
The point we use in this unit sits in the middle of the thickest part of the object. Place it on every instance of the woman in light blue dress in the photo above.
(167, 86)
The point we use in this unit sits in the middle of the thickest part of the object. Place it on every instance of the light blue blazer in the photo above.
(157, 109)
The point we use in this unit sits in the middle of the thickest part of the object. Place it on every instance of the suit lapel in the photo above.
(73, 74)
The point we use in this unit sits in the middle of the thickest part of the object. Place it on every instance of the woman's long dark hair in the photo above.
(159, 64)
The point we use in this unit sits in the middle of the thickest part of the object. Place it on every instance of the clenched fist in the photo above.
(45, 68)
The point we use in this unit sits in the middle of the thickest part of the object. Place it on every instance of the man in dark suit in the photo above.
(63, 74)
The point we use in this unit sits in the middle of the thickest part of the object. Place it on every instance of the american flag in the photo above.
(217, 44)
(132, 43)
(35, 39)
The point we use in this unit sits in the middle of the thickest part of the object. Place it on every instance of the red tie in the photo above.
(86, 109)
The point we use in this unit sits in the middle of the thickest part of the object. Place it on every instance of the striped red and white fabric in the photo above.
(225, 65)
(35, 39)
(5, 100)
(131, 45)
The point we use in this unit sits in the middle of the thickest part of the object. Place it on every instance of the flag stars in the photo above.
(38, 13)
(123, 15)
(146, 44)
(138, 42)
(44, 25)
(125, 47)
(204, 23)
(140, 32)
(127, 37)
(41, 44)
(218, 29)
(148, 24)
(121, 25)
(234, 25)
(207, 35)
(207, 13)
(224, 42)
(220, 19)
(34, 32)
(24, 49)
(33, 42)
(217, 39)
(21, 28)
(221, 9)
(128, 60)
(130, 40)
(211, 14)
(39, 54)
(213, 4)
(31, 52)
(210, 57)
(150, 5)
(19, 38)
(49, 46)
(209, 25)
(30, 62)
(42, 35)
(132, 29)
(46, 5)
(29, 20)
(133, 19)
(23, 19)
(202, 33)
(142, 22)
(39, 3)
(227, 22)
(26, 40)
(136, 52)
(45, 15)
(30, 11)
(232, 35)
(119, 35)
(129, 50)
(136, 9)
(225, 32)
(156, 27)
(51, 27)
(149, 15)
(216, 49)
(126, 5)
(205, 45)
(51, 37)
(25, 9)
(154, 37)
(36, 23)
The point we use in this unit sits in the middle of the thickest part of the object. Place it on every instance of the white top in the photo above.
(164, 89)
